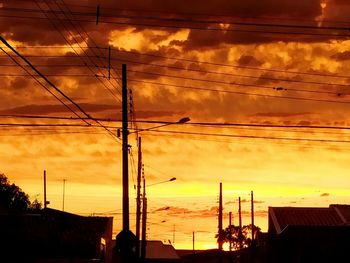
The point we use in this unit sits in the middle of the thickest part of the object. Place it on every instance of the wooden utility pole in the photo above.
(240, 234)
(220, 220)
(45, 202)
(229, 225)
(125, 149)
(64, 193)
(174, 235)
(144, 222)
(138, 197)
(125, 240)
(252, 214)
(193, 248)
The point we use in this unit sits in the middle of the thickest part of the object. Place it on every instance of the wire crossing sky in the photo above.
(264, 83)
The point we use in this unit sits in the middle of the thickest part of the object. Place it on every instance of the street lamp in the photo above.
(138, 198)
(170, 180)
(181, 121)
(144, 215)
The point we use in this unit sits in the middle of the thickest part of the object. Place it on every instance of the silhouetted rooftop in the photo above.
(158, 250)
(334, 215)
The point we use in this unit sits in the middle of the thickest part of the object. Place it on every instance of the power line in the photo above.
(247, 76)
(333, 36)
(210, 124)
(219, 73)
(219, 90)
(88, 35)
(53, 86)
(314, 25)
(191, 14)
(7, 125)
(253, 142)
(231, 65)
(276, 88)
(41, 84)
(230, 91)
(51, 65)
(76, 42)
(190, 61)
(250, 136)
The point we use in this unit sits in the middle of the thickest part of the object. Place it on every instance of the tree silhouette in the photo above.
(12, 198)
(238, 238)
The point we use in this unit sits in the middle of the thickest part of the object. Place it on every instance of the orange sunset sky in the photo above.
(281, 68)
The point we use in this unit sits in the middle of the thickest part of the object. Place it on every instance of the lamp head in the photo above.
(184, 120)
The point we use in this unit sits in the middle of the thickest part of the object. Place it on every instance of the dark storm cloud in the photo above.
(48, 109)
(246, 60)
(19, 83)
(42, 31)
(221, 7)
(341, 56)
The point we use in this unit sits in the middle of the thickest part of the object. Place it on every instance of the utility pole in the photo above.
(220, 219)
(240, 223)
(144, 223)
(64, 192)
(252, 214)
(138, 198)
(229, 225)
(125, 151)
(45, 202)
(193, 248)
(174, 235)
(125, 240)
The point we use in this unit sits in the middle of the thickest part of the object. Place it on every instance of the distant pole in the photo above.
(220, 219)
(193, 248)
(174, 235)
(229, 225)
(144, 223)
(240, 223)
(138, 197)
(45, 202)
(252, 214)
(64, 192)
